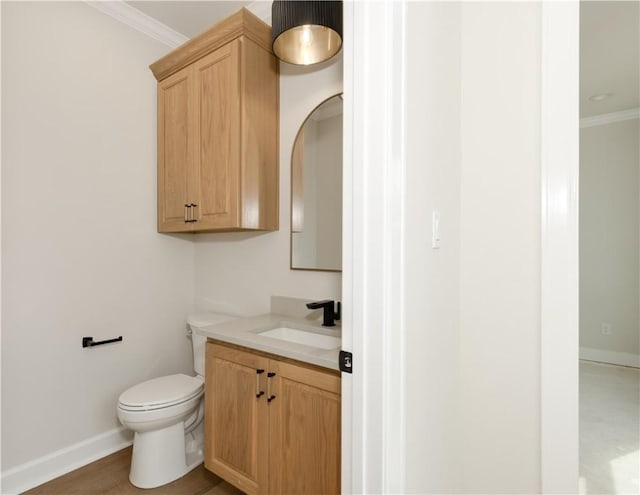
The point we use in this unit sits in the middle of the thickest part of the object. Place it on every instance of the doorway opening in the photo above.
(609, 248)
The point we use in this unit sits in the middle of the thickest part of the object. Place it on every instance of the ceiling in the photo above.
(188, 17)
(609, 44)
(609, 56)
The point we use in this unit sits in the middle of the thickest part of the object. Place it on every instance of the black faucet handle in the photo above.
(320, 304)
(329, 313)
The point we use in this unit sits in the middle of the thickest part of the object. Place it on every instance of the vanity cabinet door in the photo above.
(236, 420)
(304, 431)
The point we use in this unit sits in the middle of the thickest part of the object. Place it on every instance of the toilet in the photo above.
(167, 415)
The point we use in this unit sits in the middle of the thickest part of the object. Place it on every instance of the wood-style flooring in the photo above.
(110, 476)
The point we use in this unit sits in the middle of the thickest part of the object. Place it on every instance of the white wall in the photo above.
(80, 251)
(448, 339)
(472, 306)
(609, 235)
(500, 248)
(0, 244)
(432, 276)
(239, 272)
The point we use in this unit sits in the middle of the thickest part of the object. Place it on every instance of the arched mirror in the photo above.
(316, 190)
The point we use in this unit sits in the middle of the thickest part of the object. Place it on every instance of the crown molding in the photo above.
(242, 23)
(609, 118)
(140, 21)
(261, 9)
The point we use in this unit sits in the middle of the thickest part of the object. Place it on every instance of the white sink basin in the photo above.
(302, 337)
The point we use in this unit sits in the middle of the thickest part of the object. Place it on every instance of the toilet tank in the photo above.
(197, 322)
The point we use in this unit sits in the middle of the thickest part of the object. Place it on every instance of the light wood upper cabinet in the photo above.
(218, 130)
(272, 426)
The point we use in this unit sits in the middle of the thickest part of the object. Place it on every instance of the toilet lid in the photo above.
(161, 392)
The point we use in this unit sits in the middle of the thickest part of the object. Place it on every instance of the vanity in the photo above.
(272, 383)
(272, 402)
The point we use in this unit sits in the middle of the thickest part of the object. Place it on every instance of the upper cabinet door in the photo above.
(217, 166)
(176, 114)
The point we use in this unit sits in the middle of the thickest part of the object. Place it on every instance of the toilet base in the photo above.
(162, 456)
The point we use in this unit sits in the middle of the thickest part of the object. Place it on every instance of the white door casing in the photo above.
(373, 416)
(559, 250)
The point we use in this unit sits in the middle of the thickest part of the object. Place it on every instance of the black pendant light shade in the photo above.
(306, 32)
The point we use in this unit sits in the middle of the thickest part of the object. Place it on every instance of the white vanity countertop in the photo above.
(244, 332)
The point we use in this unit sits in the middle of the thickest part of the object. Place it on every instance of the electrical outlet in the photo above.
(606, 329)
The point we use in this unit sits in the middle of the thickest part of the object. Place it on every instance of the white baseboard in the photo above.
(611, 357)
(34, 473)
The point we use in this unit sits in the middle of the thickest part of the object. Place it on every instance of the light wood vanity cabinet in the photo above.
(287, 445)
(218, 130)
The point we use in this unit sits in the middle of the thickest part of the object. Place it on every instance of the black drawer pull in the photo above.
(270, 396)
(259, 392)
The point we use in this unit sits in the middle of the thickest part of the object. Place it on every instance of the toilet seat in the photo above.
(161, 393)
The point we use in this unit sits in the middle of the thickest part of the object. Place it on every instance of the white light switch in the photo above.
(435, 226)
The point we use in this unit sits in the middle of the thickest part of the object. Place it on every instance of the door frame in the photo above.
(372, 409)
(559, 309)
(373, 431)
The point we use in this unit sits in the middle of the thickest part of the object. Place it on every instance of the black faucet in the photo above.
(329, 314)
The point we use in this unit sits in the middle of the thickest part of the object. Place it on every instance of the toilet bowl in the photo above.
(166, 414)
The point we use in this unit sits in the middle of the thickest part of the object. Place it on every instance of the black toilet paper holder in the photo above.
(88, 341)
